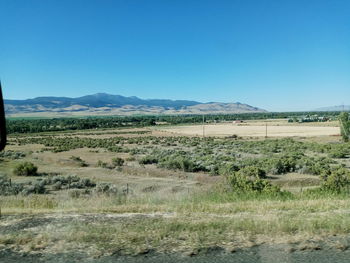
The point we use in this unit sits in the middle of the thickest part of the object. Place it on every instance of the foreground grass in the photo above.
(187, 224)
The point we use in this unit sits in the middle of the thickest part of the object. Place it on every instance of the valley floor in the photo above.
(148, 208)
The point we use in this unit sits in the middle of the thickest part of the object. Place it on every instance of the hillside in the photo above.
(106, 104)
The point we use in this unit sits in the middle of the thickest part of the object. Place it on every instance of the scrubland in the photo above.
(130, 191)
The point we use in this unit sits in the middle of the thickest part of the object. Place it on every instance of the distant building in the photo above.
(308, 118)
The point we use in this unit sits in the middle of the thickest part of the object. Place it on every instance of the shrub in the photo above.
(102, 164)
(253, 172)
(25, 169)
(117, 161)
(87, 183)
(12, 155)
(131, 159)
(179, 163)
(285, 163)
(338, 181)
(242, 184)
(228, 168)
(57, 186)
(344, 125)
(338, 153)
(149, 159)
(316, 166)
(106, 188)
(214, 170)
(9, 188)
(36, 188)
(68, 182)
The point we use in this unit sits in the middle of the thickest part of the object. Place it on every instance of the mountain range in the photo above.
(106, 104)
(335, 108)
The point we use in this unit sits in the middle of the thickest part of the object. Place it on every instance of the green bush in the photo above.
(253, 172)
(131, 159)
(117, 161)
(25, 169)
(40, 185)
(7, 187)
(285, 164)
(214, 170)
(149, 159)
(36, 188)
(344, 125)
(179, 163)
(240, 183)
(228, 168)
(337, 182)
(68, 182)
(339, 152)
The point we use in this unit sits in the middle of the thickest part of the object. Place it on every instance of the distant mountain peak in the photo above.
(100, 94)
(105, 103)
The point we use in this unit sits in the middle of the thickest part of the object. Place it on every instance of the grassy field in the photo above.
(172, 192)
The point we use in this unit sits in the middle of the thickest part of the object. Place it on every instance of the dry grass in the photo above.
(255, 130)
(101, 224)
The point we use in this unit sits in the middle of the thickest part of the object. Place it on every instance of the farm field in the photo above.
(257, 129)
(116, 193)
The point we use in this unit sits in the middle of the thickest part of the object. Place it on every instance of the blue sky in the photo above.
(277, 55)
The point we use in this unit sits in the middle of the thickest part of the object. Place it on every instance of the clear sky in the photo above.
(279, 55)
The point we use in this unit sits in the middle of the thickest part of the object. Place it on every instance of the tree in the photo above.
(344, 126)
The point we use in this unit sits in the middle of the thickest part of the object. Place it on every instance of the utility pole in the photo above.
(265, 130)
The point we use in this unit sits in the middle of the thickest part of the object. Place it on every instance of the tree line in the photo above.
(66, 124)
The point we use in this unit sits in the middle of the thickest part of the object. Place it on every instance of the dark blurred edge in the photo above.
(2, 122)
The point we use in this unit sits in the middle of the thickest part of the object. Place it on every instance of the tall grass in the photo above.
(199, 201)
